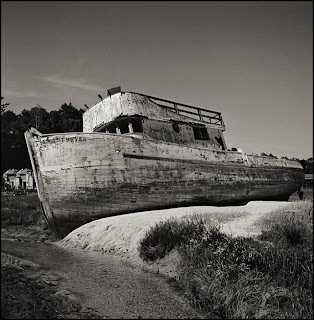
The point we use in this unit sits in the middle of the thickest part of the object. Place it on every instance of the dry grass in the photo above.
(20, 210)
(293, 225)
(8, 260)
(241, 277)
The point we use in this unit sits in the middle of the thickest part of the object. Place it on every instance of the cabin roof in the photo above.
(136, 104)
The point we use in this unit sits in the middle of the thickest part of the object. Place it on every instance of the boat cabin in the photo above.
(147, 117)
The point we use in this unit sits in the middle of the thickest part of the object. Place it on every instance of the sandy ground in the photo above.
(121, 235)
(67, 278)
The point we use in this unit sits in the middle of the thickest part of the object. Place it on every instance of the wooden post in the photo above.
(130, 127)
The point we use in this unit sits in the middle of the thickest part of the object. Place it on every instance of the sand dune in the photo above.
(121, 235)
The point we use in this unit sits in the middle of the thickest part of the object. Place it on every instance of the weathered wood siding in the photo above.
(163, 131)
(86, 176)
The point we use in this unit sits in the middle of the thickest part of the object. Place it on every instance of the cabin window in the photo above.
(130, 126)
(176, 128)
(137, 125)
(197, 134)
(204, 134)
(111, 128)
(200, 133)
(124, 126)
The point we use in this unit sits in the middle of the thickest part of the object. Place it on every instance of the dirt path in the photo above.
(105, 283)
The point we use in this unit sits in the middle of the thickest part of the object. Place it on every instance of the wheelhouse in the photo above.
(147, 117)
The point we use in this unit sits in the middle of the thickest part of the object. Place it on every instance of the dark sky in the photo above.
(252, 61)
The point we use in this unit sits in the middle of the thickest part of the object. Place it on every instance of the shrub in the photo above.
(166, 235)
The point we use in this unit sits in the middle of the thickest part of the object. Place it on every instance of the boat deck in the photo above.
(208, 116)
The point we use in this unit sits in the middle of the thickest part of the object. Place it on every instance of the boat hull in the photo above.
(86, 176)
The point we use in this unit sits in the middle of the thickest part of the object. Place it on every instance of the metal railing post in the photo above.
(200, 114)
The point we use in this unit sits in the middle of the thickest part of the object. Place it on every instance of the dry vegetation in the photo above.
(20, 210)
(268, 277)
(24, 297)
(22, 218)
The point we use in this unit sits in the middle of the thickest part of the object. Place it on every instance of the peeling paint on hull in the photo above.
(86, 176)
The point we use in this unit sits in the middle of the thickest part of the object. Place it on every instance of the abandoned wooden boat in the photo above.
(137, 153)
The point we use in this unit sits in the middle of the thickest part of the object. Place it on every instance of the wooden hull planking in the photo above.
(86, 176)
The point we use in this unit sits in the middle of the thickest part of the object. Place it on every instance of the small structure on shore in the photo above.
(19, 179)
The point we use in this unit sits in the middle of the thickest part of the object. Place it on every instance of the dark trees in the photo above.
(14, 152)
(70, 119)
(3, 106)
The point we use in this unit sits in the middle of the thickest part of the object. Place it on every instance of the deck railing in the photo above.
(208, 116)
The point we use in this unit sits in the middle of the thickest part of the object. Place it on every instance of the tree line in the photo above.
(67, 118)
(14, 152)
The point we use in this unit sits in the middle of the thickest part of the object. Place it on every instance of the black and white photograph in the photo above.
(157, 160)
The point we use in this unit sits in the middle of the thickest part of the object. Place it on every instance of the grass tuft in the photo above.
(167, 235)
